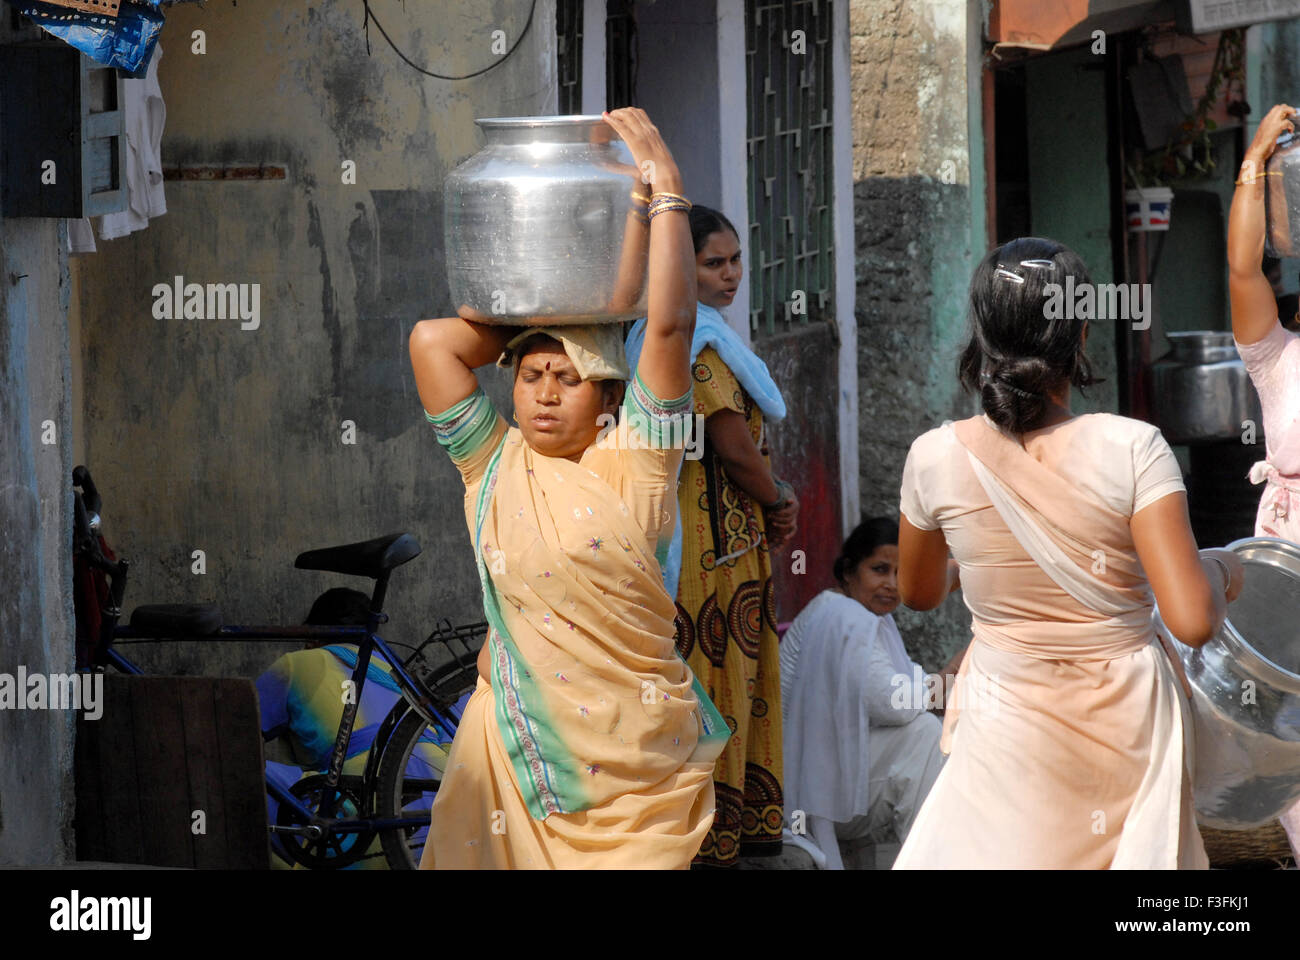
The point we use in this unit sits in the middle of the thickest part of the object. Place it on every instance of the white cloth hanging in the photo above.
(144, 115)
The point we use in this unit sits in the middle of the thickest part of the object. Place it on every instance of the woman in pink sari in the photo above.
(1271, 354)
(1069, 740)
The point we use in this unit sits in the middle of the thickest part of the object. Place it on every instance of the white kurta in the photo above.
(860, 750)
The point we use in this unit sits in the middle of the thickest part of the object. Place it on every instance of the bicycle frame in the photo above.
(321, 823)
(368, 641)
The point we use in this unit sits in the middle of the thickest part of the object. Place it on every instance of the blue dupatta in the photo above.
(712, 331)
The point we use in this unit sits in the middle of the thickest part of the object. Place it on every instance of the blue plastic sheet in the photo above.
(125, 41)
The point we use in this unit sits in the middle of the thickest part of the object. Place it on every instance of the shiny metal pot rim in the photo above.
(570, 128)
(1238, 646)
(1287, 557)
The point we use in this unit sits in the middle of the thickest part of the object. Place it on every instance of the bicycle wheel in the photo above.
(409, 775)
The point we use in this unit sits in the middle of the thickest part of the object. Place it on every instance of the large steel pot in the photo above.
(1202, 390)
(537, 224)
(1246, 694)
(1282, 196)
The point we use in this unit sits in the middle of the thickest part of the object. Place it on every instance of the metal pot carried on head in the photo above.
(1246, 694)
(540, 225)
(1282, 196)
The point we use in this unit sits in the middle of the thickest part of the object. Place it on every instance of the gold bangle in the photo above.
(1263, 173)
(640, 196)
(660, 203)
(654, 213)
(668, 210)
(675, 196)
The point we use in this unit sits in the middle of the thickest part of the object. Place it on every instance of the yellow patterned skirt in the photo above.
(726, 630)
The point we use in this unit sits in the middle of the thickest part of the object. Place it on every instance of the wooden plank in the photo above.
(87, 765)
(41, 90)
(161, 771)
(167, 746)
(123, 830)
(202, 748)
(243, 775)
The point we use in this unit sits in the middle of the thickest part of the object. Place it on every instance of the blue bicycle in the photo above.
(329, 820)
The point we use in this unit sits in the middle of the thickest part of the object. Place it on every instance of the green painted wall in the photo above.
(1069, 185)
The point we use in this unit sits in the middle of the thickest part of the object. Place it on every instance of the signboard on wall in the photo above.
(1206, 16)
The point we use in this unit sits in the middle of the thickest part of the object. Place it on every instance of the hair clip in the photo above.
(1039, 264)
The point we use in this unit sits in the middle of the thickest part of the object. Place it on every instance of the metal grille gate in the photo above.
(568, 55)
(789, 152)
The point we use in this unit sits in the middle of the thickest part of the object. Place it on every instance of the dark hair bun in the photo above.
(1019, 353)
(1015, 393)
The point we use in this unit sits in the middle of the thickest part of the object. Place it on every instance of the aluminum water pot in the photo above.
(1246, 694)
(1282, 196)
(540, 225)
(1202, 392)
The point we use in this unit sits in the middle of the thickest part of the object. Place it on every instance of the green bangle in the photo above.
(783, 491)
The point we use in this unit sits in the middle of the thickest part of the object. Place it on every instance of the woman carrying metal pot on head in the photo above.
(586, 743)
(734, 512)
(1271, 354)
(1070, 732)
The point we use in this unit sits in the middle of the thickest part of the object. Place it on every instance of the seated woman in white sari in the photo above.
(861, 750)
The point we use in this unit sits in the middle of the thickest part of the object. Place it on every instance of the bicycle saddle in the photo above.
(369, 558)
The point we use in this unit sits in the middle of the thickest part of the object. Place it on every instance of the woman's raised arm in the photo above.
(665, 360)
(1254, 309)
(444, 353)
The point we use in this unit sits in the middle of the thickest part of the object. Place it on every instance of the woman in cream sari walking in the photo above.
(587, 742)
(1069, 740)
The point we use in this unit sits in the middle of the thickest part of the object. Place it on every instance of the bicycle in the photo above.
(329, 820)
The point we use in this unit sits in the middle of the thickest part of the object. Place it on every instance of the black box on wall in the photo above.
(62, 143)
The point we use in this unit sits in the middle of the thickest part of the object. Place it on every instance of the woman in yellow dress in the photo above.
(585, 743)
(734, 512)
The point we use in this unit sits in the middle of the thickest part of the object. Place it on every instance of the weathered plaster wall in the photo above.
(918, 233)
(205, 436)
(36, 627)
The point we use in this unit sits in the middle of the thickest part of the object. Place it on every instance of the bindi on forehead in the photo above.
(548, 364)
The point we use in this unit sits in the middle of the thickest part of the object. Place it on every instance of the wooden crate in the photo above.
(164, 748)
(58, 106)
(107, 8)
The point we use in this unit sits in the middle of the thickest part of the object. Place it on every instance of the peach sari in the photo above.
(593, 745)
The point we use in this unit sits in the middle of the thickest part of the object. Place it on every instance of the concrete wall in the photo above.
(203, 436)
(917, 150)
(36, 623)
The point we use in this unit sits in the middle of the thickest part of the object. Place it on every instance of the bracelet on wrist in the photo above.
(783, 492)
(1227, 574)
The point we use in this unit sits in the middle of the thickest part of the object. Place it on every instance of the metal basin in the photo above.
(1246, 694)
(1202, 392)
(537, 224)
